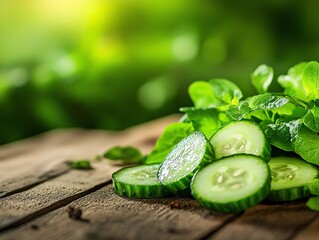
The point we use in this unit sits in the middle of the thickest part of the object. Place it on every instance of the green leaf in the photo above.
(313, 203)
(282, 133)
(202, 95)
(262, 78)
(290, 111)
(311, 119)
(267, 101)
(226, 91)
(313, 187)
(310, 80)
(80, 164)
(292, 82)
(306, 145)
(240, 112)
(207, 120)
(127, 154)
(172, 135)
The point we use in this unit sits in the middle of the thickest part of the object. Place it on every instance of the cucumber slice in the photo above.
(241, 137)
(188, 156)
(289, 178)
(232, 184)
(138, 182)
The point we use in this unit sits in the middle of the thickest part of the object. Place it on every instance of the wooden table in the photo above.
(37, 189)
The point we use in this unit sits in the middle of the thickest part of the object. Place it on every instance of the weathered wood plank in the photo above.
(268, 222)
(310, 232)
(32, 161)
(113, 217)
(20, 205)
(50, 154)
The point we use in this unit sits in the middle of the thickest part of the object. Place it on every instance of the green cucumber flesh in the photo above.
(187, 157)
(241, 137)
(138, 182)
(232, 184)
(289, 178)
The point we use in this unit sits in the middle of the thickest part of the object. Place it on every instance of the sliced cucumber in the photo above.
(241, 137)
(187, 157)
(289, 178)
(138, 182)
(232, 184)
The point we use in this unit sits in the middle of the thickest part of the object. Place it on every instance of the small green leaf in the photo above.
(267, 101)
(262, 78)
(292, 82)
(311, 119)
(80, 164)
(207, 120)
(127, 154)
(240, 112)
(282, 133)
(202, 95)
(310, 80)
(172, 135)
(226, 91)
(313, 203)
(313, 187)
(306, 145)
(290, 111)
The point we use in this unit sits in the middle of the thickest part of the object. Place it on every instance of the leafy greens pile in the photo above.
(290, 118)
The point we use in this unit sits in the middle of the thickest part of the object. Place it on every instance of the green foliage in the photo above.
(240, 112)
(306, 145)
(267, 101)
(80, 164)
(206, 120)
(311, 119)
(262, 78)
(202, 95)
(313, 187)
(292, 82)
(289, 119)
(313, 203)
(226, 91)
(172, 135)
(310, 80)
(281, 133)
(127, 154)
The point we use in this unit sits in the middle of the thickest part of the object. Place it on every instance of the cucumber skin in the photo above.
(184, 183)
(289, 194)
(239, 205)
(139, 191)
(266, 152)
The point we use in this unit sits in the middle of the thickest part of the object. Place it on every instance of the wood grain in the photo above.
(268, 222)
(310, 232)
(35, 180)
(22, 204)
(113, 217)
(32, 161)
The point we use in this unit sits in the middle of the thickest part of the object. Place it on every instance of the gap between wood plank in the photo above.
(52, 207)
(46, 177)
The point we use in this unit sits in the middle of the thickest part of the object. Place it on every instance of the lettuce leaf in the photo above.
(172, 135)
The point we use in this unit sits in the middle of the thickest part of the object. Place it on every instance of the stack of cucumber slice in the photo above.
(228, 173)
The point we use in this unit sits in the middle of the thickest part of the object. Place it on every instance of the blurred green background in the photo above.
(115, 63)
